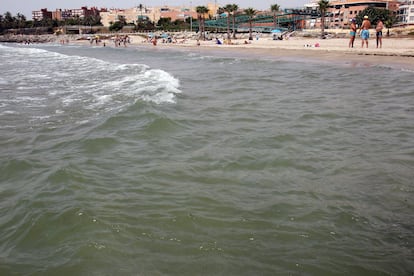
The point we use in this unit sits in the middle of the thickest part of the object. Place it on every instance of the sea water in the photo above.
(148, 161)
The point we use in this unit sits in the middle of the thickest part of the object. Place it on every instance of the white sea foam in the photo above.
(407, 70)
(58, 87)
(9, 112)
(30, 99)
(37, 118)
(160, 98)
(140, 67)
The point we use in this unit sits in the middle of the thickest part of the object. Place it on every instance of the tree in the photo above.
(201, 12)
(8, 20)
(275, 9)
(47, 22)
(389, 22)
(21, 20)
(374, 14)
(145, 25)
(250, 12)
(1, 24)
(116, 26)
(92, 20)
(88, 21)
(77, 20)
(228, 9)
(235, 7)
(323, 7)
(165, 23)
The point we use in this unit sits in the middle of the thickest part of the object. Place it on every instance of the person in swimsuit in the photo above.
(378, 30)
(364, 30)
(352, 33)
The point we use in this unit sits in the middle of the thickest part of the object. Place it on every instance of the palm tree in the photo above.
(228, 9)
(140, 7)
(220, 11)
(250, 12)
(235, 7)
(201, 11)
(323, 7)
(275, 9)
(21, 20)
(8, 20)
(389, 22)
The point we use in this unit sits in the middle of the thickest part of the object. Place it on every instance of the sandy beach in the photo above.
(395, 51)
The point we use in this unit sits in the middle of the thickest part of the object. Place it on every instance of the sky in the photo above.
(26, 7)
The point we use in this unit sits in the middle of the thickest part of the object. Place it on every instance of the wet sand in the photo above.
(395, 52)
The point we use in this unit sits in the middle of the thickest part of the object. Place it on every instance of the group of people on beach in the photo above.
(121, 40)
(364, 32)
(153, 39)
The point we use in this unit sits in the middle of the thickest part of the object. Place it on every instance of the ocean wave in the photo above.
(81, 86)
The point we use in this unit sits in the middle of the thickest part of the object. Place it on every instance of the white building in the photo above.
(406, 13)
(130, 15)
(313, 5)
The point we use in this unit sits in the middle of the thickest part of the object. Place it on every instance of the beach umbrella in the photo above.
(276, 31)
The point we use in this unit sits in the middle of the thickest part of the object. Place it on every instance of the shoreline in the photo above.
(396, 52)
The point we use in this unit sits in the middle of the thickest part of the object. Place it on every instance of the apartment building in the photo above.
(129, 15)
(405, 14)
(42, 14)
(83, 12)
(344, 10)
(60, 14)
(153, 14)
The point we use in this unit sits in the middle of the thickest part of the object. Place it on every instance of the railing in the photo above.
(241, 20)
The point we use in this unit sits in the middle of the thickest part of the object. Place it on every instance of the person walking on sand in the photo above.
(364, 30)
(378, 30)
(352, 33)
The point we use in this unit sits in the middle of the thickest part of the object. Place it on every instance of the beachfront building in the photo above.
(131, 15)
(42, 14)
(60, 14)
(313, 5)
(153, 14)
(405, 14)
(343, 11)
(177, 13)
(83, 12)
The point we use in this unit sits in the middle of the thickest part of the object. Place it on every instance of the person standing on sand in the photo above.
(366, 24)
(352, 33)
(378, 30)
